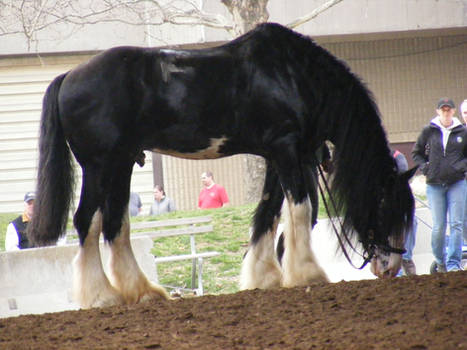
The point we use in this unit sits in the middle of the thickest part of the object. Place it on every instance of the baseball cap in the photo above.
(29, 196)
(445, 101)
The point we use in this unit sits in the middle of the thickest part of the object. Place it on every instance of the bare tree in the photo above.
(30, 17)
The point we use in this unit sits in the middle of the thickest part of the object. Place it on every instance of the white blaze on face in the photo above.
(210, 152)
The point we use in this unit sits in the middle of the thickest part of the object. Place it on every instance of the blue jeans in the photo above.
(410, 240)
(465, 222)
(446, 200)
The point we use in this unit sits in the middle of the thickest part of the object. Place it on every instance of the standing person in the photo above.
(463, 109)
(407, 263)
(162, 204)
(441, 152)
(16, 237)
(134, 204)
(212, 195)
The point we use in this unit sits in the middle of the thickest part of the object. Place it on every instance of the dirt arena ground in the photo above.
(420, 312)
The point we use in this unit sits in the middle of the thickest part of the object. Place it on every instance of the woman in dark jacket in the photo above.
(441, 152)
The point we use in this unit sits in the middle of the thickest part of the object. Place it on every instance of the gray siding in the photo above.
(408, 76)
(22, 86)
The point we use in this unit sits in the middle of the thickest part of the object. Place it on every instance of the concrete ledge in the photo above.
(39, 280)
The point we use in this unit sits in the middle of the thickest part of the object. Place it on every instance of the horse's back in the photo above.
(179, 100)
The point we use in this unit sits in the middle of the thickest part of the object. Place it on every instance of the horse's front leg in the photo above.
(299, 265)
(91, 288)
(125, 273)
(260, 267)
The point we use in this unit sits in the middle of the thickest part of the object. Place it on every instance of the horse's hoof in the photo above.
(311, 273)
(113, 301)
(154, 291)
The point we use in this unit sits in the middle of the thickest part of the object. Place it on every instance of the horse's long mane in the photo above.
(342, 110)
(363, 167)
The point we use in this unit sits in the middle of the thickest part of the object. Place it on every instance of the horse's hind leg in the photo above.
(125, 274)
(91, 288)
(260, 267)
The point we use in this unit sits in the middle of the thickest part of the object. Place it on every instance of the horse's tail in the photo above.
(55, 179)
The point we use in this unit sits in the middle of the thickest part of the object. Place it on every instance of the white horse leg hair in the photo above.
(299, 266)
(260, 268)
(125, 273)
(91, 288)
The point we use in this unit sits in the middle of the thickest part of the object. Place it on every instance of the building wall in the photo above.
(23, 82)
(182, 179)
(400, 48)
(372, 16)
(103, 34)
(22, 85)
(347, 17)
(408, 76)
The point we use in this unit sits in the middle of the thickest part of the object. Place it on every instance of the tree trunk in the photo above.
(255, 170)
(246, 15)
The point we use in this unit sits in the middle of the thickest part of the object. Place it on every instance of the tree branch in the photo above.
(315, 13)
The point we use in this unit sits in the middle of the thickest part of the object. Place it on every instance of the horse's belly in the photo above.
(210, 152)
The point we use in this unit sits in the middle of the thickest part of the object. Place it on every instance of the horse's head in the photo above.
(394, 218)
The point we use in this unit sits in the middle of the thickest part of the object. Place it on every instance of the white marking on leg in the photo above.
(125, 273)
(91, 288)
(260, 268)
(299, 266)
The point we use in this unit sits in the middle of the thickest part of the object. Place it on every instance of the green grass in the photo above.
(229, 237)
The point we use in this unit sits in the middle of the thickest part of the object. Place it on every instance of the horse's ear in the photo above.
(409, 173)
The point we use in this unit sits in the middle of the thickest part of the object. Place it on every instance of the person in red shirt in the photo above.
(212, 195)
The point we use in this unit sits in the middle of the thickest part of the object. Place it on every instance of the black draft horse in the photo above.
(271, 92)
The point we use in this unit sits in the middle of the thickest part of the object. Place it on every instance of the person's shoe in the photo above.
(441, 268)
(409, 267)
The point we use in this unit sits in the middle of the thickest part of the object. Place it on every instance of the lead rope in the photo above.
(370, 250)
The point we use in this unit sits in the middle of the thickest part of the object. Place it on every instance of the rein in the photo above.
(370, 251)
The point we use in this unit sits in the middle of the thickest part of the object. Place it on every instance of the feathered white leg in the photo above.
(91, 288)
(299, 266)
(260, 268)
